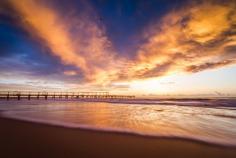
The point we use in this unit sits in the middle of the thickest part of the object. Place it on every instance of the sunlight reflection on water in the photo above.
(215, 125)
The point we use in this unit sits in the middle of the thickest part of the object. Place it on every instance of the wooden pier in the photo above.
(60, 95)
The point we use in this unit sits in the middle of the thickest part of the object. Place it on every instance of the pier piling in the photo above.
(67, 95)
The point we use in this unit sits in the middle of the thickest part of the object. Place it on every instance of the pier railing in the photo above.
(60, 95)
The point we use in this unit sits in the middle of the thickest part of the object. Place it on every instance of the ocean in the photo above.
(210, 121)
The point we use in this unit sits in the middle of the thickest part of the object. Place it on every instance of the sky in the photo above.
(149, 48)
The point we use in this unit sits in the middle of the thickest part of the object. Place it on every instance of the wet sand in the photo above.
(24, 139)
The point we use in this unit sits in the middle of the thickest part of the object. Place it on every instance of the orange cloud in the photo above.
(204, 66)
(194, 38)
(70, 73)
(45, 23)
(86, 46)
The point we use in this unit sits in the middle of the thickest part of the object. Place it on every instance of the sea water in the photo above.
(206, 120)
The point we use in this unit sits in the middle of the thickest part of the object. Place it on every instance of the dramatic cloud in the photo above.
(194, 38)
(75, 38)
(204, 66)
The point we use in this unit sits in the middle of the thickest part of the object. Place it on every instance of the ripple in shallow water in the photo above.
(210, 124)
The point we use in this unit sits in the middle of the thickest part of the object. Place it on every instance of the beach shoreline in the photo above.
(27, 139)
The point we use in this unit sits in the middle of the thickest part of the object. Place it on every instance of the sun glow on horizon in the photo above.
(189, 49)
(186, 84)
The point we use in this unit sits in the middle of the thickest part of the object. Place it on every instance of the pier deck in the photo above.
(60, 95)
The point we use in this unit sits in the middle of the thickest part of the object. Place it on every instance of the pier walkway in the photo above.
(60, 95)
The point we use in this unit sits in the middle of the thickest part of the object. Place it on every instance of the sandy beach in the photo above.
(25, 139)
